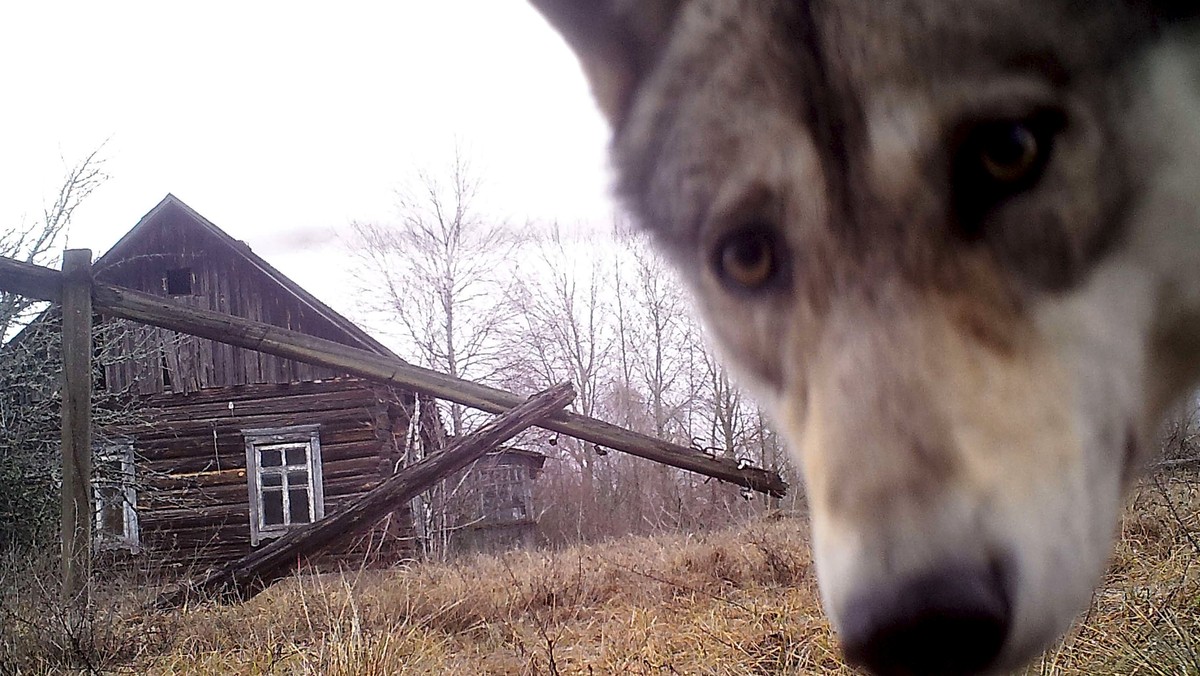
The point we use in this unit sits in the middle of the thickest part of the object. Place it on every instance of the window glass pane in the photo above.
(297, 478)
(111, 506)
(299, 505)
(272, 512)
(297, 455)
(272, 479)
(270, 457)
(112, 521)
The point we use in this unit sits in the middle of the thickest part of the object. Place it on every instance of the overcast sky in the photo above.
(283, 121)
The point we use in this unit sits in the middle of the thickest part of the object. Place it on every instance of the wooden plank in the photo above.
(76, 426)
(232, 330)
(271, 562)
(152, 519)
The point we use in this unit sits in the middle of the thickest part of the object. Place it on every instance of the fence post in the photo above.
(77, 426)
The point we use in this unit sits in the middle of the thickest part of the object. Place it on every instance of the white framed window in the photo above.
(115, 495)
(283, 475)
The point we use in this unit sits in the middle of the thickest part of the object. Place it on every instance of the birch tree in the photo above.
(440, 272)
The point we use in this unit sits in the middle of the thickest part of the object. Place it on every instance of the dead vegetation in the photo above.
(1145, 617)
(739, 601)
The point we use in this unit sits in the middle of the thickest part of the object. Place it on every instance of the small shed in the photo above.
(492, 501)
(228, 447)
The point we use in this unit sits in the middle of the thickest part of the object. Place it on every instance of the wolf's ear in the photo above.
(615, 40)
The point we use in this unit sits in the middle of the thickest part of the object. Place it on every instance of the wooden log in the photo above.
(271, 404)
(335, 489)
(165, 313)
(251, 574)
(31, 281)
(76, 426)
(346, 385)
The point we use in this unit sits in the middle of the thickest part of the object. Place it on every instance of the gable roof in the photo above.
(172, 206)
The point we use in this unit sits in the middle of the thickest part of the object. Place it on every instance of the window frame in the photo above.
(256, 440)
(126, 485)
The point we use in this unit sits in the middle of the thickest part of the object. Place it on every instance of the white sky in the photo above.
(283, 121)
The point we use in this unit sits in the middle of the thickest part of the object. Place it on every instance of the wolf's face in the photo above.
(955, 247)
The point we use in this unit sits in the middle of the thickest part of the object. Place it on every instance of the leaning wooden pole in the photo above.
(39, 282)
(252, 573)
(76, 426)
(164, 313)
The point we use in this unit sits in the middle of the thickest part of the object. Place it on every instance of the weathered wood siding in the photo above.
(193, 496)
(221, 281)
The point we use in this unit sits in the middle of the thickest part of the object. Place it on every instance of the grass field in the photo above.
(739, 601)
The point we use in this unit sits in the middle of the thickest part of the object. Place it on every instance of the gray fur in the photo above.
(957, 375)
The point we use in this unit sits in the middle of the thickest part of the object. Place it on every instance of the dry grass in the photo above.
(742, 601)
(731, 602)
(1145, 617)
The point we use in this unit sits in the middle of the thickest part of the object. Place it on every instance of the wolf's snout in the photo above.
(949, 621)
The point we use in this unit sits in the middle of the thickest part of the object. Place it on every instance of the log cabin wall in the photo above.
(193, 495)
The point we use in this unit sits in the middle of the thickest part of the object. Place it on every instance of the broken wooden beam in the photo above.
(162, 312)
(257, 570)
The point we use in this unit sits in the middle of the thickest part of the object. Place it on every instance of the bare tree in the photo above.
(562, 332)
(30, 363)
(39, 241)
(441, 270)
(440, 275)
(722, 401)
(667, 335)
(657, 349)
(611, 318)
(560, 314)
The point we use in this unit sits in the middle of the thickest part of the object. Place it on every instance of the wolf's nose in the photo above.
(950, 621)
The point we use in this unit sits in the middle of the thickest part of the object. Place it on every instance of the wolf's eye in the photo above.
(1010, 153)
(997, 159)
(747, 259)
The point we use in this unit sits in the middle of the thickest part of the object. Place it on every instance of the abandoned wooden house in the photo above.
(229, 447)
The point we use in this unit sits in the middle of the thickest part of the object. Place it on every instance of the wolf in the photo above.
(954, 247)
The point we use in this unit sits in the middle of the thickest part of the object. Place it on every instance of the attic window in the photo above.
(178, 282)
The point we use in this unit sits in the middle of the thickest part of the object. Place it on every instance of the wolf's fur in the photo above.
(961, 382)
